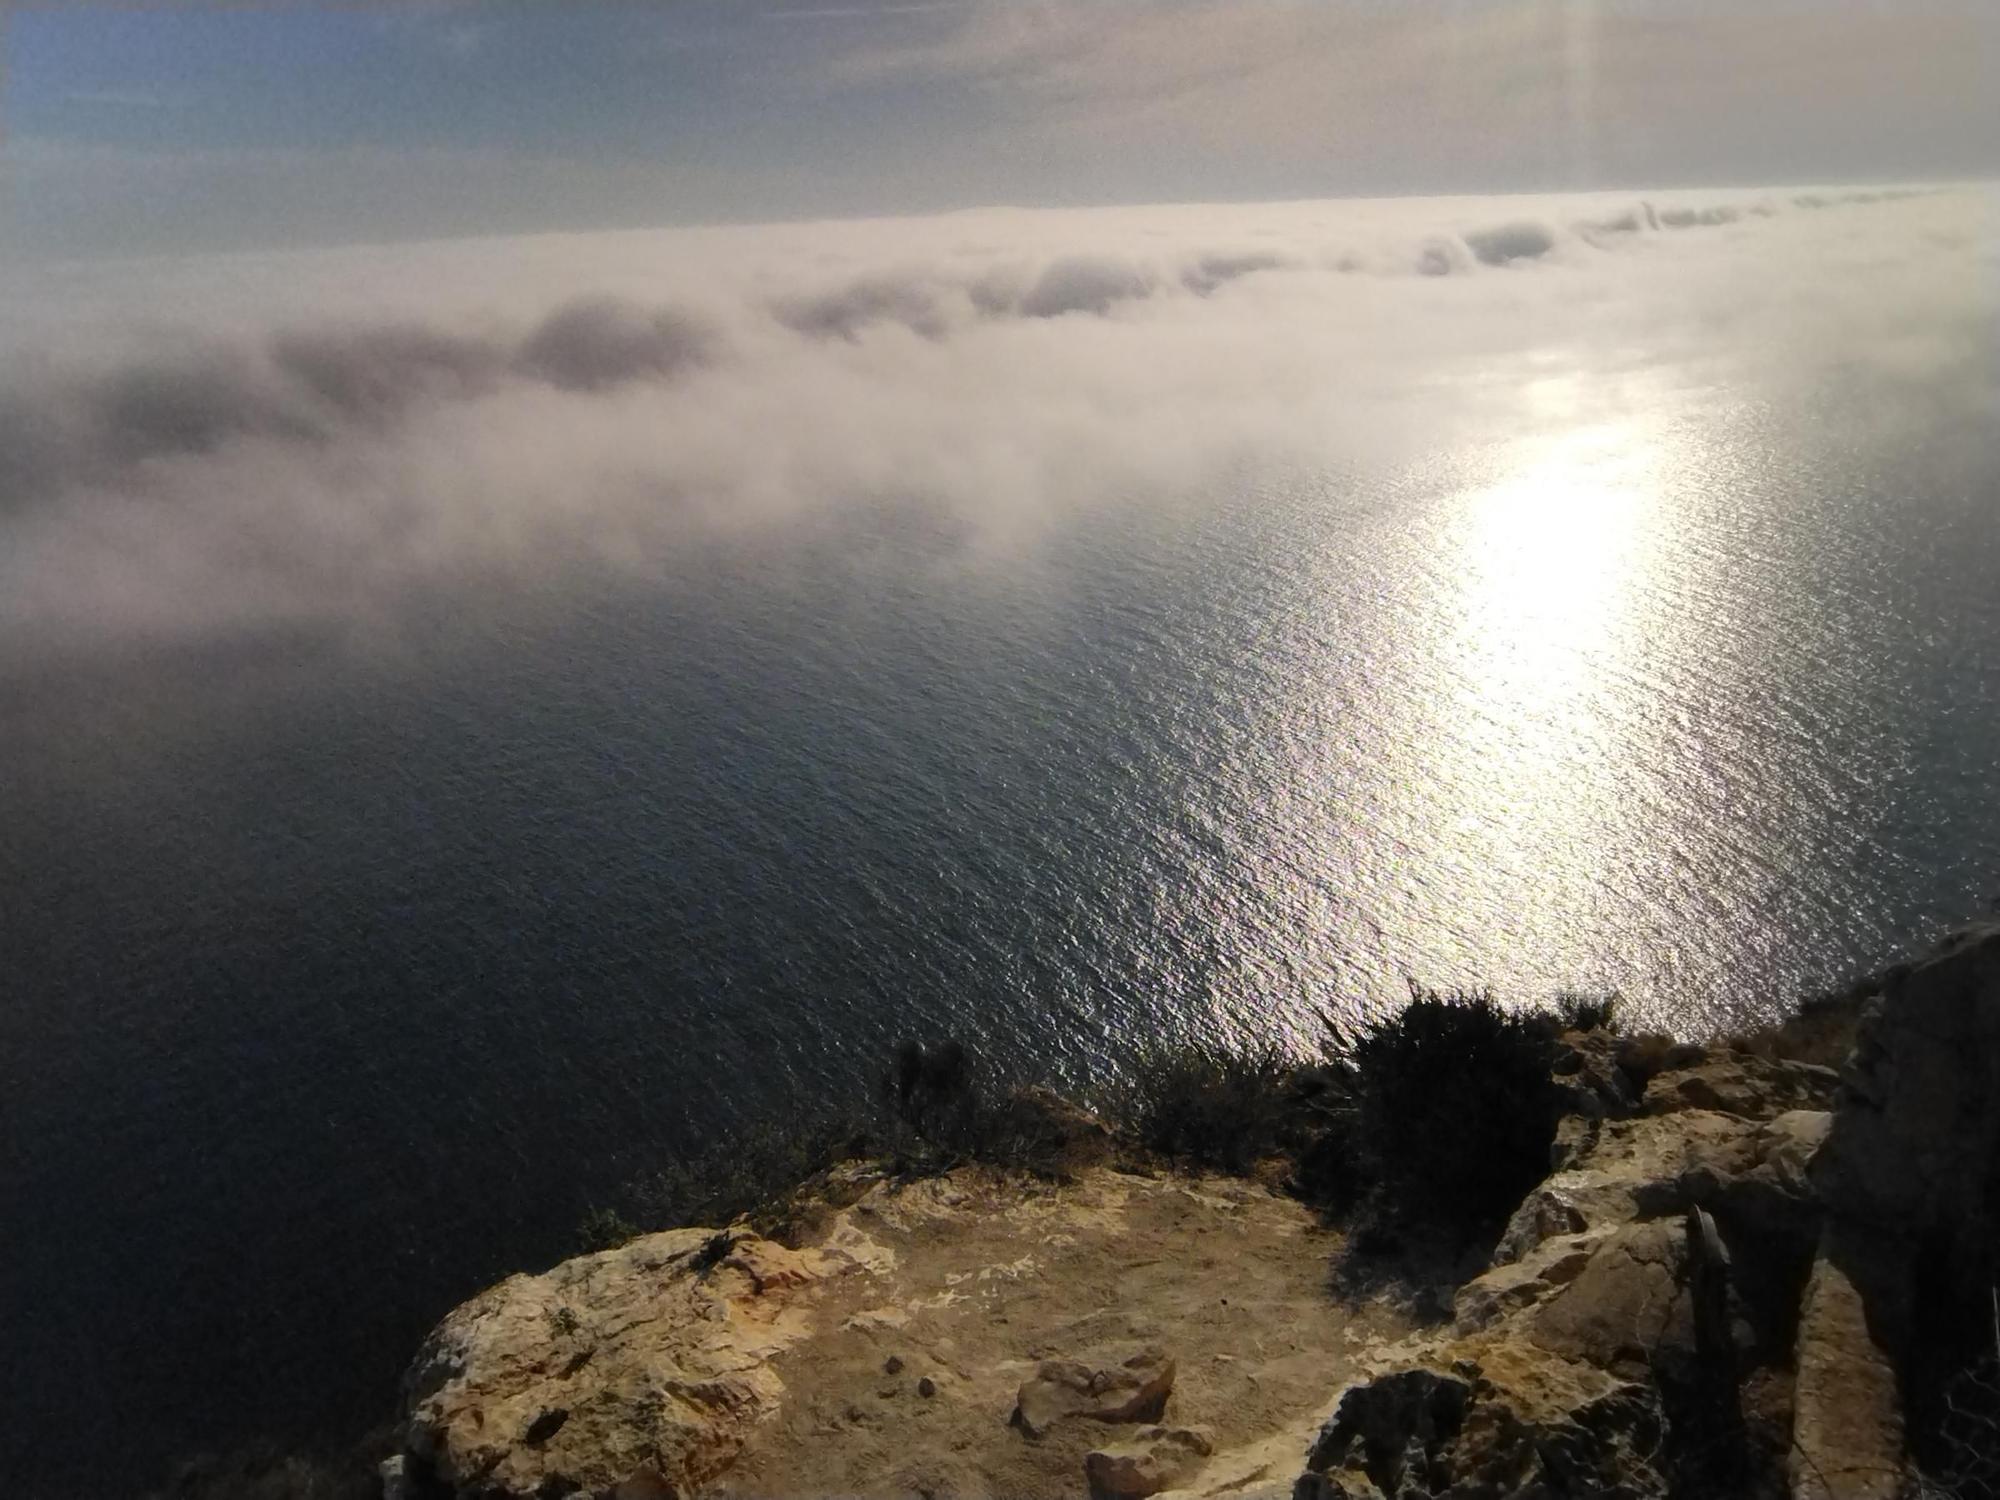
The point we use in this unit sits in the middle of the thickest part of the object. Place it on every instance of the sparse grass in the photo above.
(1957, 1441)
(752, 1175)
(934, 1117)
(605, 1229)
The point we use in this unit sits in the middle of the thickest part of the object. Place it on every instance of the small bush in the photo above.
(606, 1229)
(1453, 1109)
(1644, 1057)
(1213, 1105)
(931, 1096)
(1580, 1012)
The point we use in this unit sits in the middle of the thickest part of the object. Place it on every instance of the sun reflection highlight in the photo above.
(1547, 648)
(1550, 555)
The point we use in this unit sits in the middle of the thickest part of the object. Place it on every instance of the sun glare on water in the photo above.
(1549, 645)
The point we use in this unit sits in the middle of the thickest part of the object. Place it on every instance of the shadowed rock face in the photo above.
(1604, 1349)
(1729, 1282)
(1914, 1146)
(1910, 1179)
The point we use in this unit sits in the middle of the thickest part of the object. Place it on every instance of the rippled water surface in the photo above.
(342, 980)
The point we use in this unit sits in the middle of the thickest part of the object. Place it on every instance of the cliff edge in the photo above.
(1746, 1273)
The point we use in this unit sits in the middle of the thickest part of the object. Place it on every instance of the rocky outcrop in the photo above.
(1607, 1348)
(1741, 1271)
(1733, 1279)
(968, 1335)
(1909, 1175)
(636, 1372)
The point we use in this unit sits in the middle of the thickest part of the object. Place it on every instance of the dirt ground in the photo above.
(974, 1281)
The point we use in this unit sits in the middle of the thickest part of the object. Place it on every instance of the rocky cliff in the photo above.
(1745, 1274)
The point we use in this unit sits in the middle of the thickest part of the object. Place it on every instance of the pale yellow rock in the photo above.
(637, 1371)
(1847, 1426)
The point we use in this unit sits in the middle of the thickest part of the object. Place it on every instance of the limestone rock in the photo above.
(395, 1478)
(1151, 1460)
(1509, 1423)
(1751, 1088)
(1590, 1078)
(1909, 1175)
(1630, 1169)
(1134, 1389)
(1513, 1285)
(1847, 1430)
(637, 1371)
(1626, 1305)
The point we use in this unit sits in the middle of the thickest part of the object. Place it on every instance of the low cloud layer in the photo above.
(193, 447)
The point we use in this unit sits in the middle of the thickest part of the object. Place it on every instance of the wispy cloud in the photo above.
(1516, 88)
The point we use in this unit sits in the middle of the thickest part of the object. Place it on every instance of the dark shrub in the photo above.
(939, 1117)
(605, 1229)
(1579, 1012)
(1212, 1105)
(1453, 1109)
(930, 1092)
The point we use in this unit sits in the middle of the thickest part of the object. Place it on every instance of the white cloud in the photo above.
(206, 445)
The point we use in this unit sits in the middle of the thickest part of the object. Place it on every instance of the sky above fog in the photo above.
(174, 126)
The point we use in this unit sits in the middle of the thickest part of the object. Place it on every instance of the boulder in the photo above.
(1133, 1389)
(1512, 1285)
(1506, 1423)
(1630, 1169)
(637, 1371)
(1591, 1078)
(1151, 1460)
(1394, 1427)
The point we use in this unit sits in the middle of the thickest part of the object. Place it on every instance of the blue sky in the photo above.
(174, 126)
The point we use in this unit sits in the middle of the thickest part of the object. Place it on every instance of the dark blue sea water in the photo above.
(341, 980)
